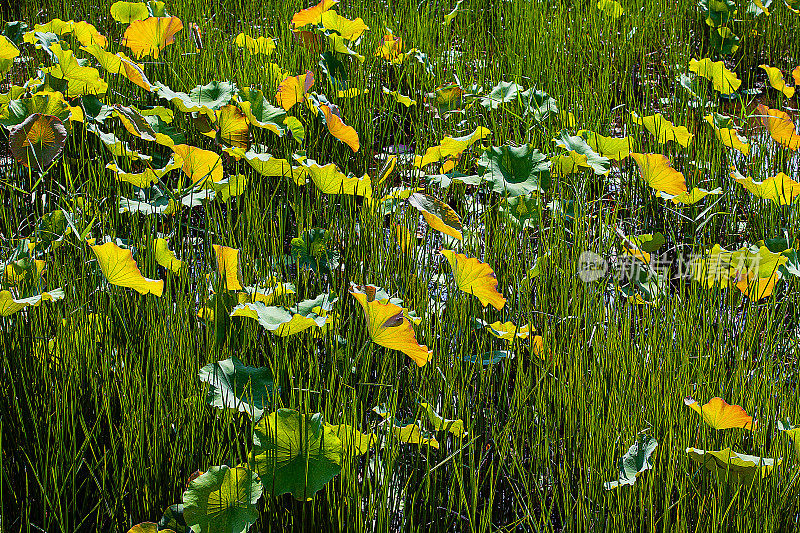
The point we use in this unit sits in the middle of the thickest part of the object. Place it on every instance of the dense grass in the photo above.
(106, 434)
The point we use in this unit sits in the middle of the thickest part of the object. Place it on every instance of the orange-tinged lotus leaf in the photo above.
(199, 164)
(437, 214)
(228, 266)
(340, 130)
(10, 305)
(134, 72)
(293, 89)
(260, 45)
(658, 174)
(780, 127)
(391, 48)
(720, 415)
(80, 80)
(150, 36)
(796, 75)
(120, 269)
(474, 277)
(663, 129)
(233, 127)
(348, 29)
(781, 189)
(330, 180)
(777, 82)
(723, 80)
(37, 141)
(312, 15)
(388, 327)
(450, 147)
(166, 257)
(149, 176)
(757, 288)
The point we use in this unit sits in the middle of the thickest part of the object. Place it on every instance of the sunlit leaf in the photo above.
(724, 131)
(166, 257)
(400, 98)
(636, 460)
(476, 278)
(233, 385)
(617, 148)
(222, 500)
(738, 466)
(656, 171)
(508, 331)
(150, 36)
(10, 305)
(611, 8)
(127, 12)
(293, 89)
(437, 214)
(781, 189)
(339, 129)
(723, 80)
(353, 441)
(503, 92)
(690, 197)
(261, 113)
(199, 164)
(780, 127)
(456, 427)
(312, 15)
(330, 180)
(120, 269)
(267, 165)
(777, 82)
(149, 176)
(757, 288)
(450, 147)
(720, 415)
(260, 45)
(448, 18)
(723, 268)
(228, 267)
(348, 29)
(80, 80)
(663, 129)
(203, 99)
(84, 32)
(7, 54)
(575, 144)
(37, 141)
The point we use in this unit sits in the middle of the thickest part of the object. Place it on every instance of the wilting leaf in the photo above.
(127, 12)
(149, 176)
(588, 157)
(720, 415)
(659, 175)
(166, 257)
(617, 148)
(507, 331)
(664, 130)
(222, 500)
(232, 128)
(437, 214)
(757, 288)
(780, 127)
(37, 141)
(777, 82)
(450, 147)
(234, 385)
(690, 197)
(339, 129)
(295, 453)
(729, 463)
(120, 269)
(293, 89)
(150, 36)
(228, 267)
(9, 305)
(330, 180)
(260, 45)
(724, 131)
(476, 278)
(388, 327)
(723, 80)
(456, 427)
(636, 460)
(781, 189)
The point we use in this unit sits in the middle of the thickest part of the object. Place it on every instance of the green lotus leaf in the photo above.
(445, 180)
(172, 520)
(127, 12)
(735, 466)
(285, 321)
(233, 385)
(222, 500)
(724, 41)
(15, 31)
(261, 113)
(310, 250)
(501, 93)
(202, 99)
(456, 427)
(522, 211)
(635, 461)
(516, 170)
(537, 104)
(489, 358)
(294, 453)
(589, 158)
(43, 103)
(94, 110)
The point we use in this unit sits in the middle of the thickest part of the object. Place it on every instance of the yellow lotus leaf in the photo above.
(150, 36)
(340, 130)
(617, 148)
(260, 45)
(297, 324)
(85, 33)
(611, 8)
(388, 327)
(780, 127)
(439, 423)
(387, 168)
(348, 29)
(508, 331)
(723, 80)
(476, 278)
(233, 126)
(312, 15)
(147, 178)
(796, 75)
(391, 48)
(777, 82)
(7, 54)
(729, 137)
(727, 462)
(330, 180)
(720, 415)
(80, 80)
(267, 165)
(794, 436)
(723, 268)
(9, 305)
(656, 171)
(781, 189)
(267, 293)
(134, 122)
(166, 257)
(691, 197)
(228, 266)
(450, 147)
(757, 288)
(663, 129)
(127, 12)
(293, 89)
(400, 98)
(405, 240)
(15, 274)
(199, 164)
(134, 72)
(110, 62)
(120, 269)
(437, 214)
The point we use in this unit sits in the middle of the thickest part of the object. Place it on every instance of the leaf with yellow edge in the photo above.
(780, 127)
(611, 8)
(20, 270)
(150, 36)
(391, 48)
(266, 293)
(149, 177)
(267, 165)
(7, 54)
(348, 29)
(260, 45)
(794, 436)
(720, 415)
(166, 257)
(134, 72)
(340, 130)
(777, 82)
(450, 147)
(84, 32)
(312, 15)
(476, 278)
(757, 288)
(388, 327)
(781, 189)
(228, 188)
(127, 12)
(199, 164)
(353, 441)
(507, 331)
(134, 122)
(456, 427)
(796, 75)
(664, 130)
(293, 89)
(232, 126)
(37, 141)
(400, 98)
(656, 171)
(437, 214)
(727, 135)
(617, 148)
(283, 321)
(723, 268)
(228, 267)
(727, 462)
(690, 197)
(146, 527)
(120, 269)
(261, 113)
(80, 80)
(9, 305)
(723, 80)
(330, 180)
